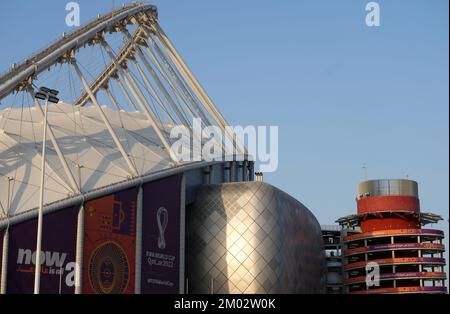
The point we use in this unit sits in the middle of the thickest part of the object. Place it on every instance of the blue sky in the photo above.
(342, 94)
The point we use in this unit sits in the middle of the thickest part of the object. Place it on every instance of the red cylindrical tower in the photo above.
(392, 254)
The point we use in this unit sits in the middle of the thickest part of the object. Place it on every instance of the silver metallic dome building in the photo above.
(251, 237)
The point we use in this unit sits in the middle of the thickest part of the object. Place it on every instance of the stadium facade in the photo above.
(120, 213)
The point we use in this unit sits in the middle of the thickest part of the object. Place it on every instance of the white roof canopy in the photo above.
(88, 149)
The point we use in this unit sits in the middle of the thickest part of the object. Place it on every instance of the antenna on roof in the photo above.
(364, 169)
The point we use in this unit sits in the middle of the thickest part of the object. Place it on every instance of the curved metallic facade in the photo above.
(251, 237)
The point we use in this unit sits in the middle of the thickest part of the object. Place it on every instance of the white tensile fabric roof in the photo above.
(90, 152)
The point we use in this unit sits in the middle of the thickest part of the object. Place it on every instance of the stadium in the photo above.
(97, 195)
(91, 190)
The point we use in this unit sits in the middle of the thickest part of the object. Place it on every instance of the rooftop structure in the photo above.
(393, 253)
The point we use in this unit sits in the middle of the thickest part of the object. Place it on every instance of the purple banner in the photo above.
(59, 231)
(1, 252)
(161, 236)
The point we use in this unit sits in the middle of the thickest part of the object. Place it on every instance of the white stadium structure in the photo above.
(89, 185)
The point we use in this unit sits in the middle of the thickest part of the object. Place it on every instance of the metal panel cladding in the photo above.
(251, 237)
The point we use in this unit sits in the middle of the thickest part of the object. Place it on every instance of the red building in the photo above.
(393, 253)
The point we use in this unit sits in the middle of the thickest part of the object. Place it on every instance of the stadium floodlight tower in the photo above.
(49, 95)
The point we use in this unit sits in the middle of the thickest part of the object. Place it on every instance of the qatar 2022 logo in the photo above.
(162, 217)
(109, 270)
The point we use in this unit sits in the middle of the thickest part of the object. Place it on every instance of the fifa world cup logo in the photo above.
(162, 217)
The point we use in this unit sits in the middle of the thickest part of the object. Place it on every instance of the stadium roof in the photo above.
(91, 155)
(91, 143)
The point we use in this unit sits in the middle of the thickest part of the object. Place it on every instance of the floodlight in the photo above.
(53, 99)
(40, 95)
